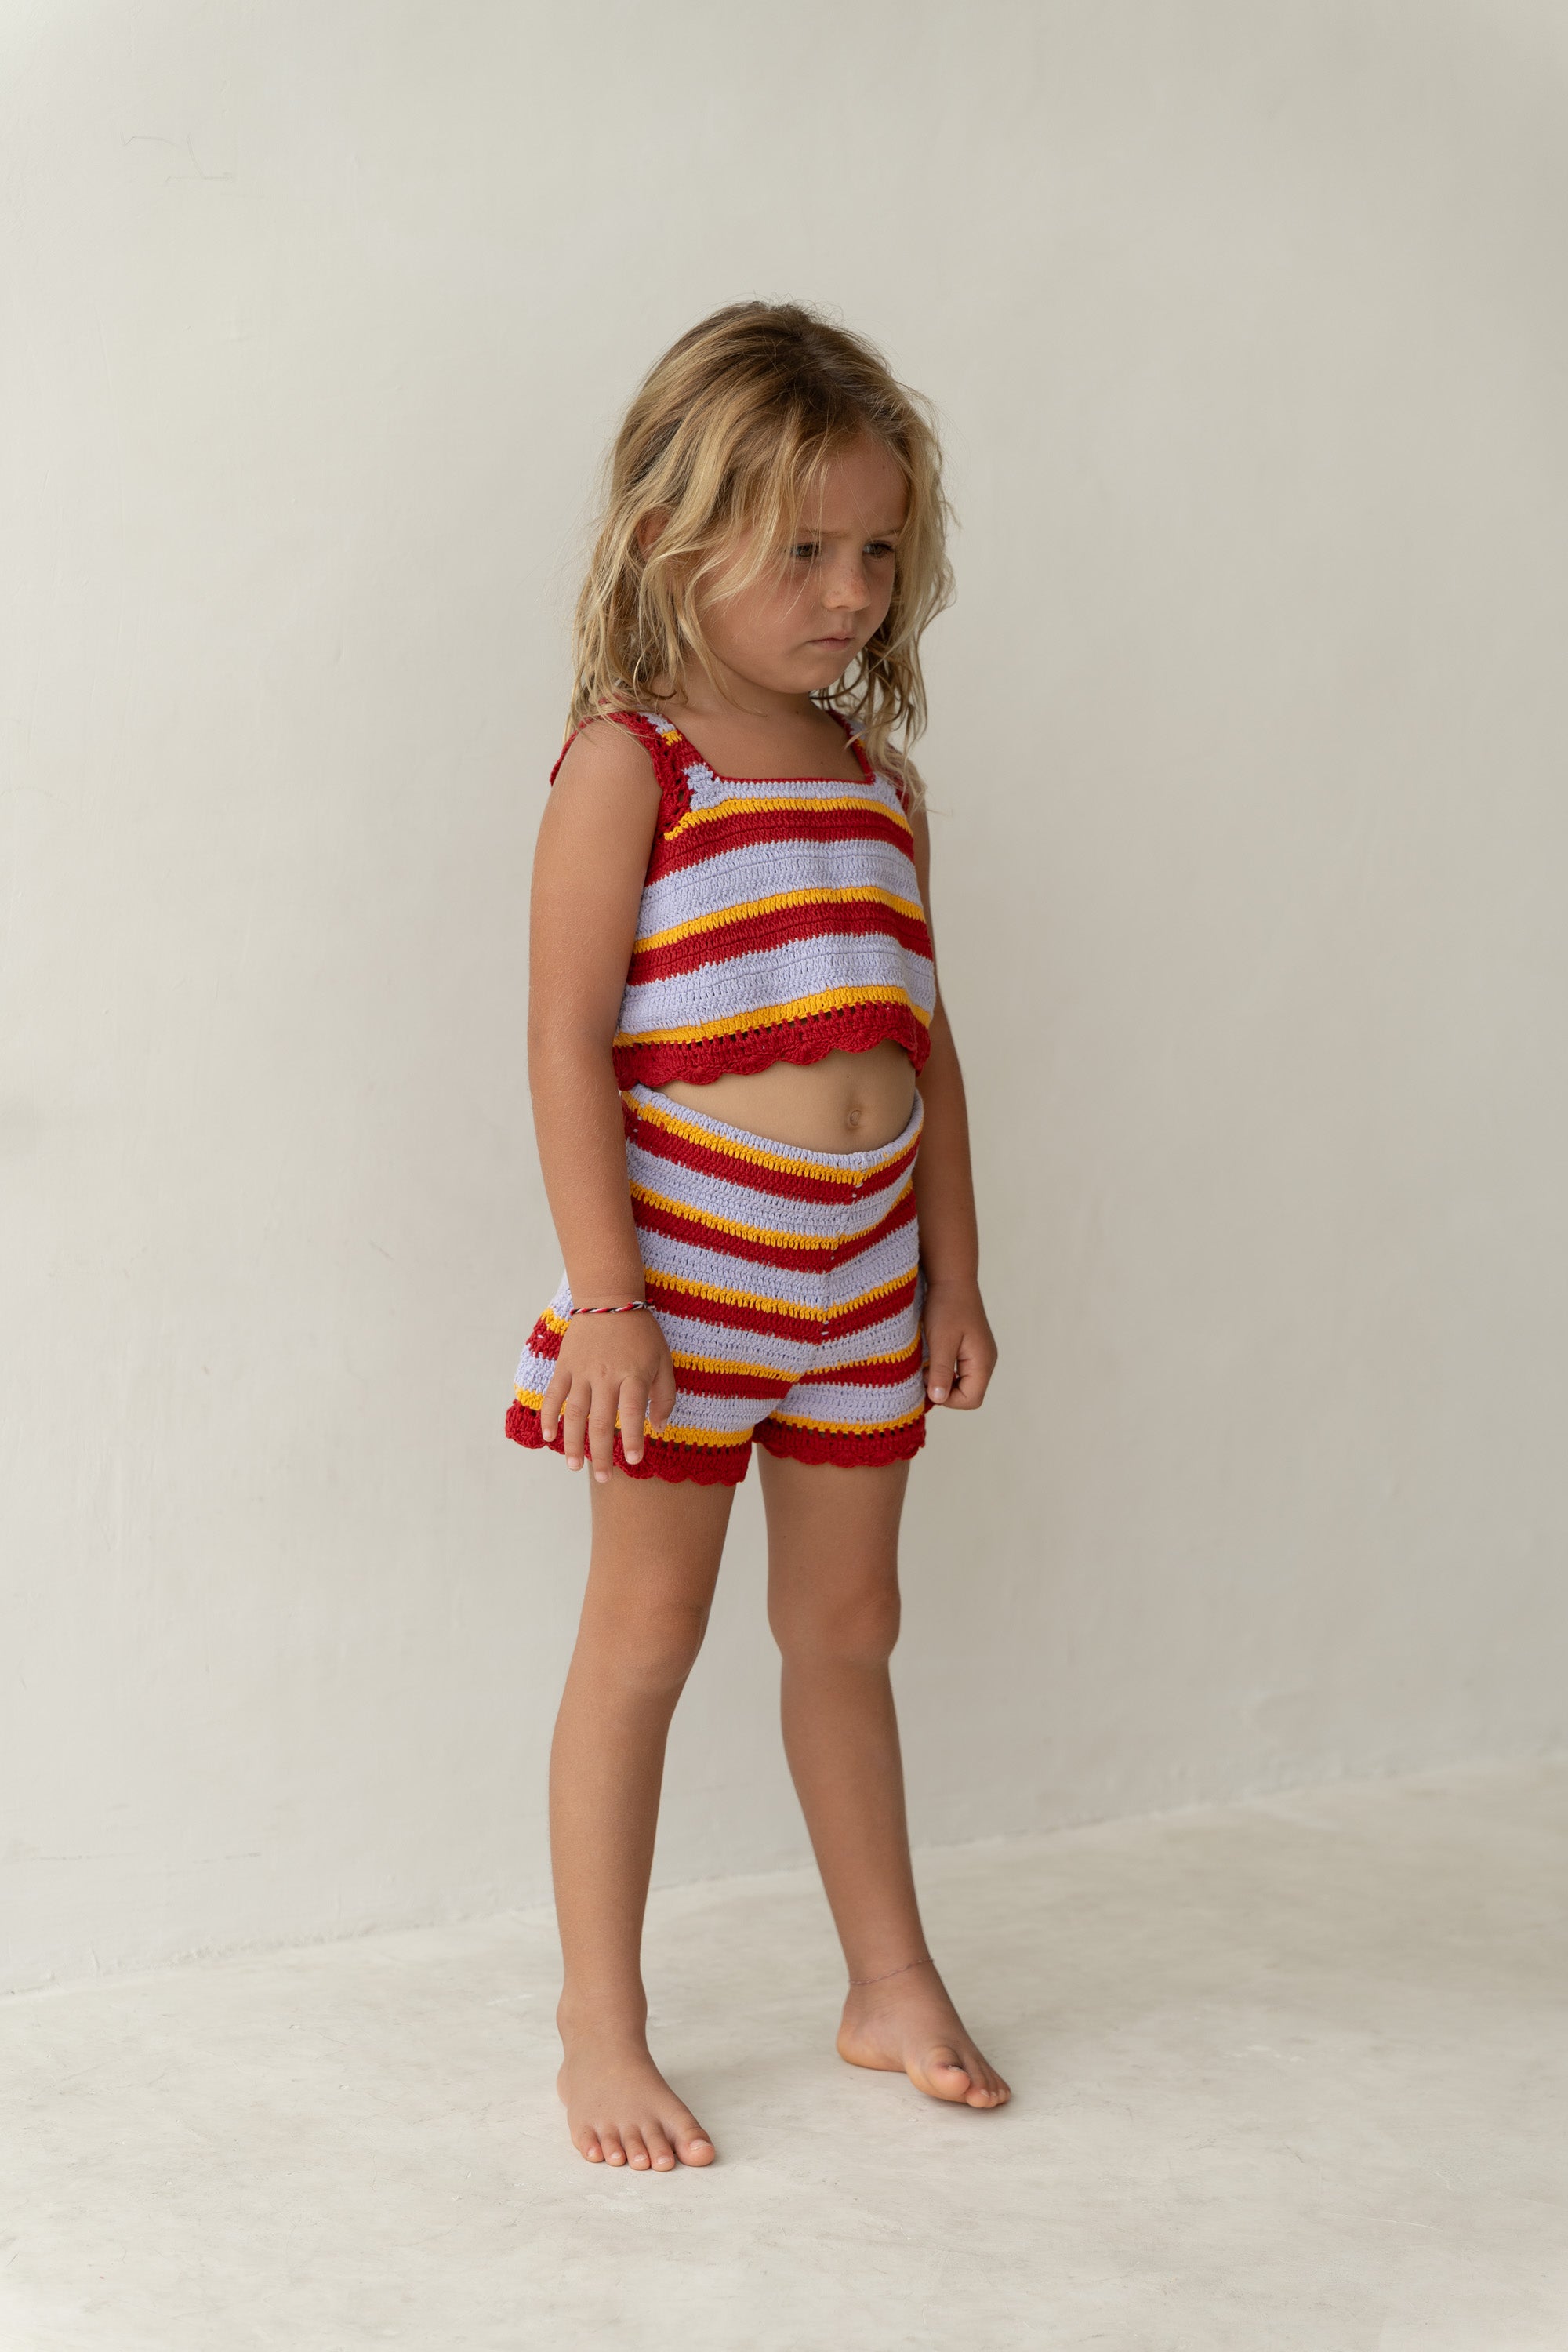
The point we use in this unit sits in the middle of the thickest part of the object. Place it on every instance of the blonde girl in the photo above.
(752, 1125)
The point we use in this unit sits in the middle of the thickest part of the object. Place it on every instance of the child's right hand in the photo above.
(611, 1368)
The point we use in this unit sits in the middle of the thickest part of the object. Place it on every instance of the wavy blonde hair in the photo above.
(731, 428)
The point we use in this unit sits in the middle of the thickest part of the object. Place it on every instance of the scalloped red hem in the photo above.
(853, 1029)
(869, 1452)
(703, 1465)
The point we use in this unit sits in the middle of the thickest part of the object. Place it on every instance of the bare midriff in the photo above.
(846, 1102)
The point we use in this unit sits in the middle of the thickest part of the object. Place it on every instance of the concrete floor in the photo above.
(1288, 2075)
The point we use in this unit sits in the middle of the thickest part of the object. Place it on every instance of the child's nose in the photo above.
(847, 588)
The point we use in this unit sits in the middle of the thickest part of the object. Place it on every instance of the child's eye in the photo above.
(807, 549)
(880, 547)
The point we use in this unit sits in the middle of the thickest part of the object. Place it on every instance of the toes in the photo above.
(611, 2143)
(989, 2090)
(946, 2077)
(588, 2145)
(637, 2155)
(659, 2147)
(692, 2145)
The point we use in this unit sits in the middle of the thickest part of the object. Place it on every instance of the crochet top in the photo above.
(781, 920)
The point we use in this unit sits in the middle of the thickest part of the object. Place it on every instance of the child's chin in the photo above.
(824, 668)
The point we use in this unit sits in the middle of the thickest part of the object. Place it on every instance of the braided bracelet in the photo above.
(632, 1307)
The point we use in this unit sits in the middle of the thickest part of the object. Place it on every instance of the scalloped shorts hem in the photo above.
(726, 1465)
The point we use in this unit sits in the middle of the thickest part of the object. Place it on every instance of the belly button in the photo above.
(852, 1119)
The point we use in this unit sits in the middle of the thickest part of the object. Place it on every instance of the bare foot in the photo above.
(907, 2025)
(620, 2109)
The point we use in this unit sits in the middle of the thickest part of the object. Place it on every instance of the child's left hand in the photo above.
(963, 1353)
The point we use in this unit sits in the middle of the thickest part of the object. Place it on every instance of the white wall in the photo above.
(1247, 324)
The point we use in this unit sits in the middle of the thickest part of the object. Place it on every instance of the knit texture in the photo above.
(787, 1285)
(781, 920)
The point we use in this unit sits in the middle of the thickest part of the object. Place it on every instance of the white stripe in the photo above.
(719, 1413)
(723, 1344)
(707, 1195)
(737, 876)
(862, 1408)
(775, 976)
(892, 1259)
(708, 791)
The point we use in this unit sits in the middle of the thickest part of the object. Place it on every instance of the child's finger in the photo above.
(974, 1378)
(602, 1431)
(551, 1402)
(961, 1396)
(942, 1368)
(632, 1410)
(661, 1396)
(573, 1423)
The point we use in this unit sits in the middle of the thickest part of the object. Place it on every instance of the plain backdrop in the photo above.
(1247, 322)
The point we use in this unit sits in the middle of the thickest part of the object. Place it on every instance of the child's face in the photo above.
(799, 627)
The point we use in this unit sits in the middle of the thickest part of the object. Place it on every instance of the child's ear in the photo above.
(651, 529)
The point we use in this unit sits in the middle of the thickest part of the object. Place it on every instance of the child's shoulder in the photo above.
(620, 745)
(633, 756)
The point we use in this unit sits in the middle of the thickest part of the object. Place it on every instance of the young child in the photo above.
(733, 993)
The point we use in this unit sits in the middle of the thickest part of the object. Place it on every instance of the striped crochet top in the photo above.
(781, 920)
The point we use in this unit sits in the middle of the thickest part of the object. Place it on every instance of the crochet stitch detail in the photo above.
(781, 921)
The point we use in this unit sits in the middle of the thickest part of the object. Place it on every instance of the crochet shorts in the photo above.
(788, 1285)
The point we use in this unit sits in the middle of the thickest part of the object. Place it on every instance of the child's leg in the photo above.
(833, 1601)
(650, 1582)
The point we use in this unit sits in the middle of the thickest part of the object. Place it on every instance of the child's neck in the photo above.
(742, 727)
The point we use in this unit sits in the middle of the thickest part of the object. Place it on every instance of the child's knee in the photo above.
(857, 1625)
(656, 1647)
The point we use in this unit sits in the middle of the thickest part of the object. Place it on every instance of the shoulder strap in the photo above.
(867, 770)
(666, 746)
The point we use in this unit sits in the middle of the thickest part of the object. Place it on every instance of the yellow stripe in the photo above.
(759, 1232)
(868, 897)
(753, 1156)
(769, 1016)
(716, 809)
(712, 1291)
(676, 1436)
(701, 1290)
(684, 1363)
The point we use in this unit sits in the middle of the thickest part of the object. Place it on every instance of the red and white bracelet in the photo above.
(632, 1307)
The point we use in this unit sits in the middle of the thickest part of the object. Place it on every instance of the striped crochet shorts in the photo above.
(788, 1285)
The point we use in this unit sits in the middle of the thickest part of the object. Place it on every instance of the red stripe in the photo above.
(862, 1376)
(692, 1379)
(865, 1449)
(864, 821)
(543, 1342)
(692, 1227)
(851, 1029)
(765, 1387)
(777, 927)
(736, 1315)
(683, 1150)
(880, 1309)
(732, 1314)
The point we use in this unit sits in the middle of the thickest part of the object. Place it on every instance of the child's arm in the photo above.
(958, 1336)
(588, 872)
